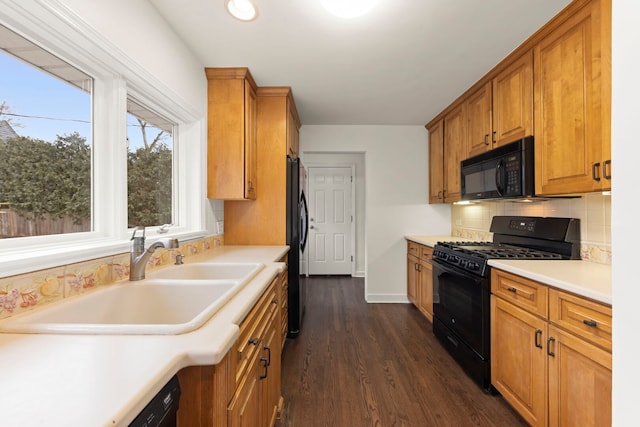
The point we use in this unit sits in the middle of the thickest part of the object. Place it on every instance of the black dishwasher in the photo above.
(162, 410)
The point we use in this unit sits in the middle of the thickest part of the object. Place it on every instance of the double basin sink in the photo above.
(170, 301)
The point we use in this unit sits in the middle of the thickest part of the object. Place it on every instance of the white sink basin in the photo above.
(158, 307)
(208, 271)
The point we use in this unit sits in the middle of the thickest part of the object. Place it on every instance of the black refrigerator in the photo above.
(297, 230)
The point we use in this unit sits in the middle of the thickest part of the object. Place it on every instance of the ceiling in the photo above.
(401, 64)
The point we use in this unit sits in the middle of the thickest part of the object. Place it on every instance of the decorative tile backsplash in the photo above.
(593, 210)
(26, 291)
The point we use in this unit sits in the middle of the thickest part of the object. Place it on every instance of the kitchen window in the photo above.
(150, 170)
(100, 181)
(45, 142)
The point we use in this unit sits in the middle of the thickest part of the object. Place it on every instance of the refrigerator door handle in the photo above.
(304, 224)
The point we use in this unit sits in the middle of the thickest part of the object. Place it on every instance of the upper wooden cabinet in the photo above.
(479, 134)
(447, 148)
(436, 162)
(500, 111)
(555, 86)
(455, 150)
(231, 148)
(513, 101)
(263, 221)
(293, 129)
(572, 81)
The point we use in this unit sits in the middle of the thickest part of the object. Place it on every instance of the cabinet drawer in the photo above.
(413, 248)
(252, 329)
(525, 293)
(588, 319)
(426, 253)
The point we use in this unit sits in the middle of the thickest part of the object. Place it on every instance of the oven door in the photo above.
(461, 303)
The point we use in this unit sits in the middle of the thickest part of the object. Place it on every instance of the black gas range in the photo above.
(461, 288)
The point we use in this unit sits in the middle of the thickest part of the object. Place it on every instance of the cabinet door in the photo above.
(579, 382)
(455, 147)
(436, 162)
(413, 264)
(425, 285)
(568, 106)
(519, 359)
(251, 142)
(292, 134)
(245, 410)
(479, 121)
(512, 107)
(270, 375)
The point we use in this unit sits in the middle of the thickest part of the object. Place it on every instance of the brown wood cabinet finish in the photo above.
(263, 221)
(555, 86)
(478, 108)
(455, 150)
(231, 147)
(420, 277)
(512, 101)
(436, 162)
(554, 369)
(572, 79)
(244, 389)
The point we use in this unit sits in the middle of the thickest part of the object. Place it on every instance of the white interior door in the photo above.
(330, 220)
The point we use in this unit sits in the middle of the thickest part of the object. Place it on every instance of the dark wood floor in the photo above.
(357, 364)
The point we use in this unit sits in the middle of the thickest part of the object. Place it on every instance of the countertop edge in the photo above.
(145, 362)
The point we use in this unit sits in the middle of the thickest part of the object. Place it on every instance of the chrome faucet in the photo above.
(140, 257)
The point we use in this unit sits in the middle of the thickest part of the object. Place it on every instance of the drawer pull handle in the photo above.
(266, 368)
(537, 338)
(590, 322)
(254, 341)
(514, 290)
(268, 354)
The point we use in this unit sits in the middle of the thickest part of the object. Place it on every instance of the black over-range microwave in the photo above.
(506, 172)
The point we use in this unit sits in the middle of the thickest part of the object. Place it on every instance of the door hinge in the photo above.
(351, 178)
(351, 218)
(351, 258)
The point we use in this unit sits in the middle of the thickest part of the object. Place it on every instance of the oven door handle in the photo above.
(448, 268)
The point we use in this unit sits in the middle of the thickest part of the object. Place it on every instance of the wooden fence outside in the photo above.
(12, 224)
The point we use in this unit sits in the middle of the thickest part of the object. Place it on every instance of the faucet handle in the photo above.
(139, 227)
(179, 258)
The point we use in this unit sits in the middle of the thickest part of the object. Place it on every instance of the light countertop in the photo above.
(588, 279)
(106, 380)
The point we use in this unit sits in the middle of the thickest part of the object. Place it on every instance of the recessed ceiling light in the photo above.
(243, 10)
(349, 8)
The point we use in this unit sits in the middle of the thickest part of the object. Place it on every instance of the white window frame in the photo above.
(57, 29)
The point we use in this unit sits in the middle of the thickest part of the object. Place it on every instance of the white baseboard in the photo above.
(387, 298)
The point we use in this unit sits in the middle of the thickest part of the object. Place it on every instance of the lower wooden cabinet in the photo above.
(550, 374)
(244, 389)
(420, 277)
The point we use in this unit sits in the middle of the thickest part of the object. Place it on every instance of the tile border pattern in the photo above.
(27, 291)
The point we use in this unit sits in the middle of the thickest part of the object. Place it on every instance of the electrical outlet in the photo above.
(458, 222)
(220, 225)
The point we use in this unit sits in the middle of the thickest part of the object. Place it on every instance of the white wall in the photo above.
(136, 28)
(134, 32)
(395, 197)
(624, 229)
